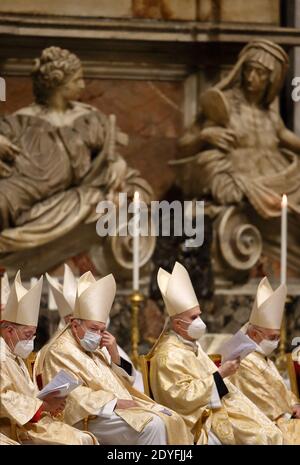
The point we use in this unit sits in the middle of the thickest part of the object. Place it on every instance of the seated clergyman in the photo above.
(183, 376)
(258, 377)
(34, 419)
(118, 414)
(65, 296)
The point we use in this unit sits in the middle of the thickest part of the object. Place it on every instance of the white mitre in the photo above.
(22, 306)
(5, 290)
(177, 290)
(94, 299)
(64, 294)
(268, 307)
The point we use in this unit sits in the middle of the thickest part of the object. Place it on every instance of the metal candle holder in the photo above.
(136, 300)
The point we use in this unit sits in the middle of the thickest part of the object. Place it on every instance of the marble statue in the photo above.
(58, 158)
(239, 153)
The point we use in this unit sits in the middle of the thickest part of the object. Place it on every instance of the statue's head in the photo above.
(261, 68)
(57, 71)
(264, 66)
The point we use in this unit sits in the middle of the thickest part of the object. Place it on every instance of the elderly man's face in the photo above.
(80, 329)
(14, 333)
(182, 321)
(255, 77)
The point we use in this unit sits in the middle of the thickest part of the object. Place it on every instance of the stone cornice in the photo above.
(106, 70)
(130, 48)
(134, 30)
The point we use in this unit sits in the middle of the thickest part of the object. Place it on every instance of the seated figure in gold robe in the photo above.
(65, 295)
(24, 417)
(183, 376)
(116, 412)
(258, 377)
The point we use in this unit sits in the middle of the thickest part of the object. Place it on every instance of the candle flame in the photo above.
(284, 201)
(136, 196)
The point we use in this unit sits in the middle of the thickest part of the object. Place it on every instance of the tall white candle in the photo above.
(136, 242)
(284, 204)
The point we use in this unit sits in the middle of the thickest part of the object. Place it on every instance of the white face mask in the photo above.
(268, 346)
(196, 329)
(24, 348)
(90, 341)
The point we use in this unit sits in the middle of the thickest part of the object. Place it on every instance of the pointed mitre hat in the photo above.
(64, 294)
(268, 307)
(5, 290)
(177, 290)
(94, 299)
(22, 306)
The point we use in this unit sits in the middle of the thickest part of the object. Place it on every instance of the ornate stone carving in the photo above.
(238, 151)
(58, 159)
(237, 243)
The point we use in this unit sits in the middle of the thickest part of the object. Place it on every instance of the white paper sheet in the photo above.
(62, 384)
(240, 345)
